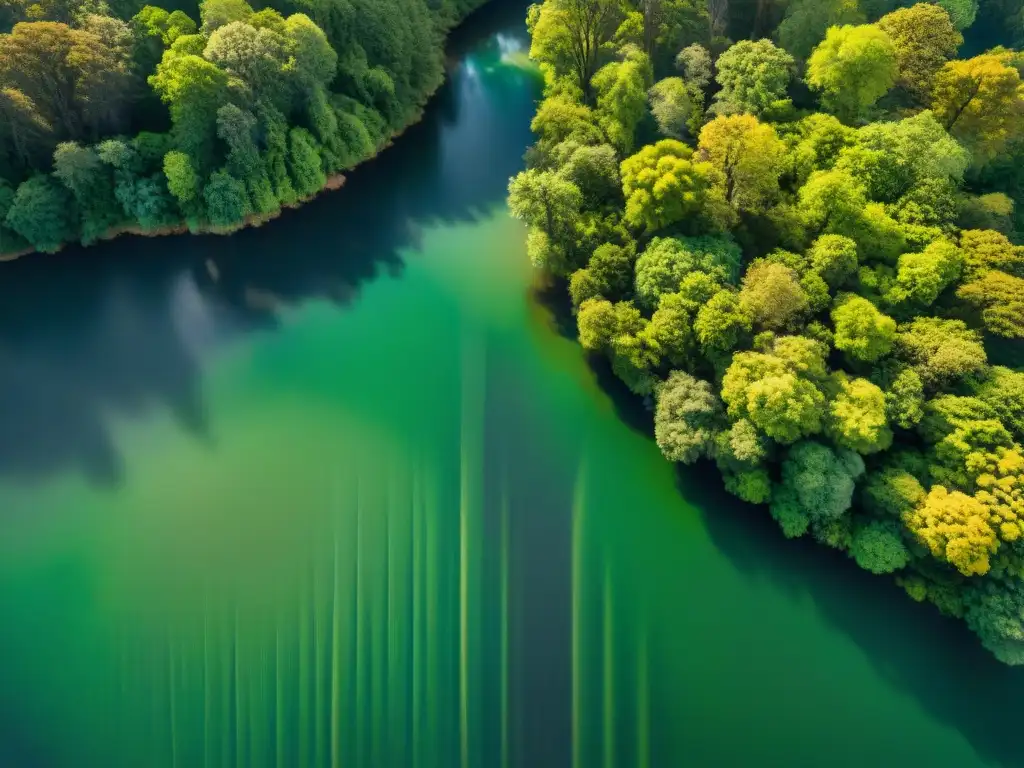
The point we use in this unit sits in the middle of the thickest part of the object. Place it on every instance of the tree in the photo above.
(892, 158)
(672, 106)
(877, 547)
(595, 172)
(853, 67)
(226, 200)
(857, 416)
(754, 77)
(773, 395)
(663, 185)
(80, 170)
(817, 485)
(75, 81)
(686, 419)
(600, 321)
(621, 89)
(833, 201)
(1000, 297)
(834, 257)
(670, 332)
(955, 528)
(1003, 391)
(985, 250)
(924, 38)
(961, 12)
(904, 398)
(940, 351)
(548, 202)
(694, 61)
(42, 213)
(722, 323)
(568, 35)
(667, 260)
(182, 179)
(921, 277)
(560, 118)
(772, 294)
(862, 331)
(749, 155)
(979, 102)
(194, 89)
(256, 56)
(996, 613)
(807, 21)
(215, 14)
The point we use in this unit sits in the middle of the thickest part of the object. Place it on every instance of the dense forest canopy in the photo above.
(126, 115)
(794, 228)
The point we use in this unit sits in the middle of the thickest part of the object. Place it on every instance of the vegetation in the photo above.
(800, 251)
(118, 117)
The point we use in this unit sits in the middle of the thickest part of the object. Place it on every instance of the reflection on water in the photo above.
(348, 497)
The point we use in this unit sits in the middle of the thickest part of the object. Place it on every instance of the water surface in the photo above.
(342, 491)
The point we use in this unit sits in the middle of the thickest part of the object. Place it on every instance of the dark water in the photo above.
(357, 501)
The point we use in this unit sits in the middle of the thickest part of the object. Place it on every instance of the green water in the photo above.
(361, 501)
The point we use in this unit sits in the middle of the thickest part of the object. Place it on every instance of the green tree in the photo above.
(182, 180)
(862, 331)
(1000, 299)
(672, 105)
(226, 200)
(979, 102)
(42, 212)
(1003, 391)
(667, 260)
(817, 485)
(87, 178)
(921, 277)
(807, 21)
(754, 77)
(924, 38)
(853, 68)
(996, 613)
(215, 14)
(568, 36)
(986, 250)
(595, 171)
(687, 417)
(663, 185)
(877, 547)
(772, 294)
(722, 323)
(834, 257)
(621, 89)
(940, 351)
(857, 416)
(961, 12)
(749, 155)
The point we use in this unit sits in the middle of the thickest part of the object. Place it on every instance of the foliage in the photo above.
(663, 185)
(261, 108)
(687, 417)
(754, 77)
(925, 38)
(979, 102)
(853, 67)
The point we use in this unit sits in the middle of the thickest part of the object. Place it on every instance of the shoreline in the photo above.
(334, 182)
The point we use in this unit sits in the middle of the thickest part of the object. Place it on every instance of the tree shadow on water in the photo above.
(935, 660)
(124, 327)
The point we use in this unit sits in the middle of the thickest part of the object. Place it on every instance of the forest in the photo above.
(794, 228)
(123, 117)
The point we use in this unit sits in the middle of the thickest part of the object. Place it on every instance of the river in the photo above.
(343, 490)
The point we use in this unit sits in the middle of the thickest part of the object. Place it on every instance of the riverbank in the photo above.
(334, 181)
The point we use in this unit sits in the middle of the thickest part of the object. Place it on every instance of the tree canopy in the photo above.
(809, 286)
